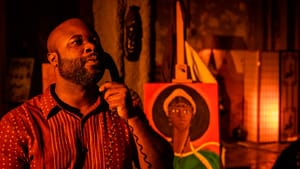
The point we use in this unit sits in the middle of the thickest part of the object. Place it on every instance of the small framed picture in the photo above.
(19, 79)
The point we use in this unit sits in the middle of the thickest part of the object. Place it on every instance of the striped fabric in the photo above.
(46, 133)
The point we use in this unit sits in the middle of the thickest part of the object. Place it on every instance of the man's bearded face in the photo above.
(75, 71)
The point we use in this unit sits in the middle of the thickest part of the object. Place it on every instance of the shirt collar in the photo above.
(51, 104)
(48, 103)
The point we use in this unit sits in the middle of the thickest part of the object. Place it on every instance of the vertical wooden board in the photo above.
(48, 75)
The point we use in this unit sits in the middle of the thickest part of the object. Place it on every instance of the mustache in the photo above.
(92, 57)
(95, 56)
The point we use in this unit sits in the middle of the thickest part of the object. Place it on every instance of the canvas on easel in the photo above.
(185, 111)
(193, 134)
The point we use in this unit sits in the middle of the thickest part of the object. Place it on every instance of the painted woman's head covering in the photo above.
(201, 117)
(178, 93)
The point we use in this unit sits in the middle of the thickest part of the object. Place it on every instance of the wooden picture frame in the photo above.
(19, 79)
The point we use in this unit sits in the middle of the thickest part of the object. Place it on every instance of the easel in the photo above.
(181, 69)
(204, 128)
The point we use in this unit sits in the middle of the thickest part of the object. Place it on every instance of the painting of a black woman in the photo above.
(180, 108)
(183, 117)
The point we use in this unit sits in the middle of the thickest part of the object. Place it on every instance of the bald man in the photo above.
(76, 124)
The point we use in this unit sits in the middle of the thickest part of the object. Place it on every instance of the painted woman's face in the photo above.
(180, 115)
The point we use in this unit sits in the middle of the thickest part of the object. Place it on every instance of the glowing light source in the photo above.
(261, 92)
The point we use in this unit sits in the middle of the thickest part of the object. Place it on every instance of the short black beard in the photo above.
(74, 71)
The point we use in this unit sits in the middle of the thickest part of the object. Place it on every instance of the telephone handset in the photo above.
(111, 71)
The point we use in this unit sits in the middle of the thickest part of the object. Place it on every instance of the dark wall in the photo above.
(28, 23)
(2, 53)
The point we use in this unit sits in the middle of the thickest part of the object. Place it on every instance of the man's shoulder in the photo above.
(28, 106)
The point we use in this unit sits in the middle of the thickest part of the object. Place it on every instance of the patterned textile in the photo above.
(44, 132)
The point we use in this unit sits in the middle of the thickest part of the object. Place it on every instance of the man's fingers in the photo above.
(115, 94)
(111, 85)
(105, 86)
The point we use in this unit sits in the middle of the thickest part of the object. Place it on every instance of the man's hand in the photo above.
(117, 97)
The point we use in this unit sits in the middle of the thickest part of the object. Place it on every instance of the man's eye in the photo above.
(77, 42)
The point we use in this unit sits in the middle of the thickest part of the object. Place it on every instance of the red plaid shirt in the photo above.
(46, 133)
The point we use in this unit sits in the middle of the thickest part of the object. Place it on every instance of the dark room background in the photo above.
(268, 25)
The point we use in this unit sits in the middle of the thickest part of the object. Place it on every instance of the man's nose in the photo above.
(181, 114)
(89, 47)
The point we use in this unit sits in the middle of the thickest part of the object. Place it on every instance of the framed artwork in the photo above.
(19, 79)
(186, 114)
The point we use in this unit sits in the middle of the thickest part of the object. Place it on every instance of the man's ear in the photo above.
(53, 58)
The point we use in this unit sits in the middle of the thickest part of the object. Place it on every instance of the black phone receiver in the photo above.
(111, 67)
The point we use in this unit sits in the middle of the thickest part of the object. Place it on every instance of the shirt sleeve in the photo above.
(13, 141)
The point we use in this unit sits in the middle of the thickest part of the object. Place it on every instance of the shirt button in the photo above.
(84, 150)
